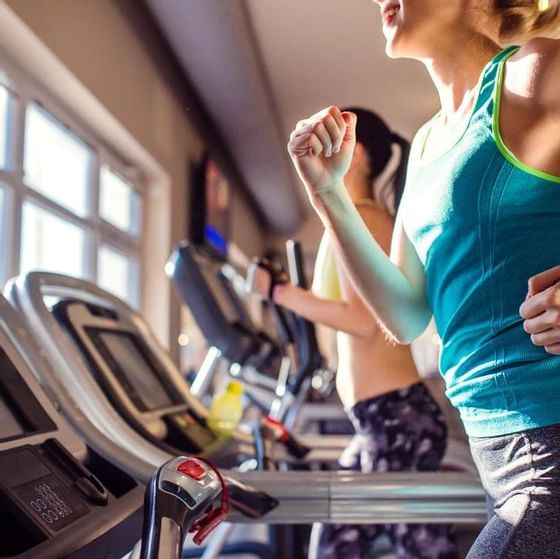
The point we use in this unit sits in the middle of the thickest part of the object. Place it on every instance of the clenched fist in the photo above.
(321, 148)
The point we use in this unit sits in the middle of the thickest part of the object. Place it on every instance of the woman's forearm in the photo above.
(399, 306)
(355, 320)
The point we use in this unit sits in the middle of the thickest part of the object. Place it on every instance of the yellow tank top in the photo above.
(326, 283)
(325, 276)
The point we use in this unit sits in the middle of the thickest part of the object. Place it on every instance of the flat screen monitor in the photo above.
(10, 426)
(216, 228)
(211, 276)
(136, 369)
(210, 207)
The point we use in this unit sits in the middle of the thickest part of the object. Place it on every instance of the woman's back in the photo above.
(367, 365)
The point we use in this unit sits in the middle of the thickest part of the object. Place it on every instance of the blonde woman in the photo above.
(476, 242)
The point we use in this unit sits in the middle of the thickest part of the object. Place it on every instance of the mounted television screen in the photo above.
(210, 207)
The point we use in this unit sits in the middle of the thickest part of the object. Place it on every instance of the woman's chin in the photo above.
(392, 49)
(395, 48)
(392, 42)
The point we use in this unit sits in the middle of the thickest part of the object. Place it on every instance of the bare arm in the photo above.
(541, 309)
(393, 288)
(538, 74)
(350, 315)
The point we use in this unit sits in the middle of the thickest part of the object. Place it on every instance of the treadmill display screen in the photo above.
(140, 377)
(213, 281)
(9, 424)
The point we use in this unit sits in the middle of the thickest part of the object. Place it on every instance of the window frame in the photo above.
(24, 92)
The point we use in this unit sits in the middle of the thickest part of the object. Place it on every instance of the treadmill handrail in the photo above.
(355, 497)
(310, 358)
(12, 326)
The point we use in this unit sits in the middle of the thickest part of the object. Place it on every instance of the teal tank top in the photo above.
(482, 224)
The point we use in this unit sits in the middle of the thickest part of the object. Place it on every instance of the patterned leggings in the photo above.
(400, 431)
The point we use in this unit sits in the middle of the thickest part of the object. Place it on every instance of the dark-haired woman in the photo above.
(399, 426)
(478, 222)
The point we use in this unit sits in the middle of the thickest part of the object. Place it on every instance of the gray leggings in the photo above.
(521, 476)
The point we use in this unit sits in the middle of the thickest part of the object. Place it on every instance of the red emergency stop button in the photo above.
(191, 469)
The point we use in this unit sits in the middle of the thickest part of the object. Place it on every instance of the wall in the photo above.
(109, 58)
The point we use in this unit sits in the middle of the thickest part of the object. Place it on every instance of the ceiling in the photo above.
(262, 65)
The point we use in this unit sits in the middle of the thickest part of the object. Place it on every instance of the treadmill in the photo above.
(225, 323)
(58, 497)
(304, 497)
(106, 356)
(61, 499)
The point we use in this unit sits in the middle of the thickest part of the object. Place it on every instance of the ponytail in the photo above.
(378, 141)
(522, 20)
(388, 194)
(399, 178)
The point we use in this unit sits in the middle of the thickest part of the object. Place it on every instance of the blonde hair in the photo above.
(522, 20)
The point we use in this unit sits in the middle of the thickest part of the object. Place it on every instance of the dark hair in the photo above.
(378, 140)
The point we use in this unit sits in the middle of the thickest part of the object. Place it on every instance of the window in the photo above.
(43, 235)
(56, 162)
(119, 204)
(118, 273)
(67, 205)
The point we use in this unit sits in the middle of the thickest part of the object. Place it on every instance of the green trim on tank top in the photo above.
(504, 150)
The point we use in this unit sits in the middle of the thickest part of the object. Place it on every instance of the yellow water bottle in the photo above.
(226, 409)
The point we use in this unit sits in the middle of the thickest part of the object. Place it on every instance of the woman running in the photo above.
(479, 221)
(399, 426)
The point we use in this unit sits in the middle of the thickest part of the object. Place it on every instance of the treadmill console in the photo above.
(51, 504)
(133, 379)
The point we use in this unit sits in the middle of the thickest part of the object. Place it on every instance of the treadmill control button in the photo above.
(191, 469)
(180, 492)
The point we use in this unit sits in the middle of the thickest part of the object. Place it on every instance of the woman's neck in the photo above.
(456, 71)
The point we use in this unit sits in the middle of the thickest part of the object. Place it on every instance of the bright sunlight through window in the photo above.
(118, 202)
(56, 162)
(116, 273)
(50, 243)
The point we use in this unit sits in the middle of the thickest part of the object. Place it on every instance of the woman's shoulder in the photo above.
(535, 68)
(545, 50)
